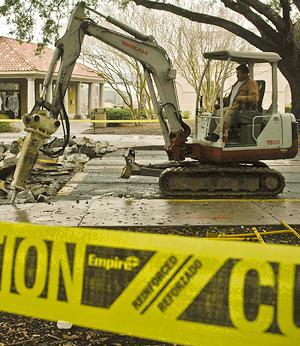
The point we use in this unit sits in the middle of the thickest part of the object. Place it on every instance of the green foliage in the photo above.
(143, 114)
(186, 114)
(275, 5)
(121, 114)
(118, 114)
(288, 108)
(44, 17)
(5, 127)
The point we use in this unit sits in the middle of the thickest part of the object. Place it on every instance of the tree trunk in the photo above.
(295, 90)
(290, 68)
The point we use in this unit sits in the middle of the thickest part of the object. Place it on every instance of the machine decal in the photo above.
(134, 47)
(273, 141)
(173, 289)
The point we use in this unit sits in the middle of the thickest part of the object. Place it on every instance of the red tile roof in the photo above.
(19, 57)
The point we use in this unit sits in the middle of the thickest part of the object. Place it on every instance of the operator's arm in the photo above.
(249, 93)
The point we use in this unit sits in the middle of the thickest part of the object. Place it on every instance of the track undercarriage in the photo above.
(206, 180)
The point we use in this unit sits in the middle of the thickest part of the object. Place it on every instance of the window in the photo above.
(10, 99)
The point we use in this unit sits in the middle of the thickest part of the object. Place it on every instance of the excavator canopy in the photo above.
(243, 57)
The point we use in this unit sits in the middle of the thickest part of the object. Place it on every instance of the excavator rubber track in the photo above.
(213, 181)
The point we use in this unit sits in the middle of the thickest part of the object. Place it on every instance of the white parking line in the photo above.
(72, 184)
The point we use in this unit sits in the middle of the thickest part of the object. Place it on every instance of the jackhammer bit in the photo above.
(38, 128)
(130, 162)
(133, 168)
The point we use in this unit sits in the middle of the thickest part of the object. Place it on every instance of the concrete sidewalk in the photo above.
(116, 212)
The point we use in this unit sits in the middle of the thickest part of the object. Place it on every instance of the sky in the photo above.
(4, 29)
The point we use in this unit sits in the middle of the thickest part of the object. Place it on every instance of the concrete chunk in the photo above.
(9, 160)
(3, 148)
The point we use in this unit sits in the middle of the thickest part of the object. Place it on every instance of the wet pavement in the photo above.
(98, 197)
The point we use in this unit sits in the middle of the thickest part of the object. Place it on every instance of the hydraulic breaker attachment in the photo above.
(38, 127)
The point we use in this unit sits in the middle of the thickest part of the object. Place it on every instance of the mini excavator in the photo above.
(196, 168)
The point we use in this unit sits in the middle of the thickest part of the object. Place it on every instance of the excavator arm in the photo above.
(159, 74)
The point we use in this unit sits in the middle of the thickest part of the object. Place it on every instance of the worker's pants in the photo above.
(228, 113)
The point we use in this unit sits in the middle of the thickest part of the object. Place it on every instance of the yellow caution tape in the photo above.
(10, 121)
(169, 288)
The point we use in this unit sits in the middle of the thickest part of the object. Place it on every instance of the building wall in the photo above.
(186, 96)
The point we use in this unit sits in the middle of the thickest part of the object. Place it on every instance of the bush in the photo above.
(186, 114)
(121, 114)
(143, 114)
(5, 127)
(288, 108)
(118, 114)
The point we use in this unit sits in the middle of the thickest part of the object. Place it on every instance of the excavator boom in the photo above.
(159, 74)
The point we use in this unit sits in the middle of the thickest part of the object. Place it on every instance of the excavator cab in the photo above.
(250, 128)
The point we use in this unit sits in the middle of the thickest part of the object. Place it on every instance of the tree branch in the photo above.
(236, 29)
(297, 4)
(286, 10)
(266, 11)
(265, 30)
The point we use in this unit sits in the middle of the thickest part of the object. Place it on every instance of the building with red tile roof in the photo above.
(22, 72)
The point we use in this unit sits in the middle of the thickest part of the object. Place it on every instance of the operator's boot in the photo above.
(212, 137)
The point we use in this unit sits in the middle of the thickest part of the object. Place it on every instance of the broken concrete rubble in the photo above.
(91, 148)
(71, 149)
(25, 196)
(3, 148)
(48, 175)
(83, 145)
(9, 160)
(73, 160)
(15, 147)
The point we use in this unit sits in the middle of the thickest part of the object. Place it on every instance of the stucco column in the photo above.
(30, 93)
(101, 94)
(90, 98)
(78, 101)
